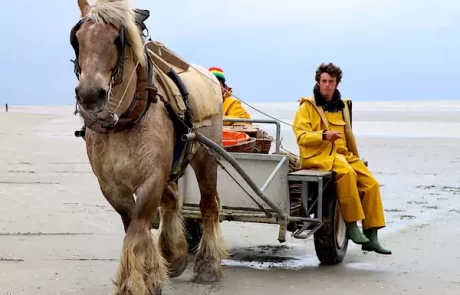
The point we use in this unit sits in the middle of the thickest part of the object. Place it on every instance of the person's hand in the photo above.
(332, 135)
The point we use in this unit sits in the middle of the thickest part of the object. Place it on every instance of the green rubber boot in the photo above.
(374, 244)
(354, 234)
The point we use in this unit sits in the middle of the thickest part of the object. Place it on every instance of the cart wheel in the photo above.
(331, 240)
(194, 232)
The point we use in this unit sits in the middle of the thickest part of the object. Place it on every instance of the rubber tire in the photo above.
(326, 246)
(194, 232)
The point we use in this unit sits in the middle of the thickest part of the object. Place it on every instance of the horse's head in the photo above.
(100, 41)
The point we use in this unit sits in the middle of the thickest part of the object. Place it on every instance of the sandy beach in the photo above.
(58, 235)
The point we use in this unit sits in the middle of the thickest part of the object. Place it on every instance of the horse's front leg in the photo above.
(142, 269)
(122, 200)
(173, 243)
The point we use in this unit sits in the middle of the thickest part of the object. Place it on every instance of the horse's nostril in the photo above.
(90, 95)
(102, 93)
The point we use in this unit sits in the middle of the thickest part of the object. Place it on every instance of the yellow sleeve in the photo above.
(303, 131)
(236, 110)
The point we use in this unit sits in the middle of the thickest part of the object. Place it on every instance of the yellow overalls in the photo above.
(358, 191)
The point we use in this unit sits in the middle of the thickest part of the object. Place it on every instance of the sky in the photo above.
(269, 50)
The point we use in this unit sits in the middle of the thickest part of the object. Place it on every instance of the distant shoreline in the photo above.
(357, 101)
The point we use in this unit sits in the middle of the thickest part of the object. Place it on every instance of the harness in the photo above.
(146, 94)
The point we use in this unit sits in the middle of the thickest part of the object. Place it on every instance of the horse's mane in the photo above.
(118, 13)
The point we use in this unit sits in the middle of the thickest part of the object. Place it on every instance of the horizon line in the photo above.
(270, 102)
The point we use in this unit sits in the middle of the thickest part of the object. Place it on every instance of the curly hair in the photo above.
(331, 69)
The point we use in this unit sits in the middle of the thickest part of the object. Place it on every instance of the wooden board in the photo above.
(251, 130)
(309, 175)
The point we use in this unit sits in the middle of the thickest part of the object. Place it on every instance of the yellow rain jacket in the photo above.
(232, 108)
(357, 190)
(314, 152)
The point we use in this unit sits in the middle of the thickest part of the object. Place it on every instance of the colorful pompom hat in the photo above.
(218, 73)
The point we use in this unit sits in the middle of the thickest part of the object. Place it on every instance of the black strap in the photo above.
(140, 16)
(350, 110)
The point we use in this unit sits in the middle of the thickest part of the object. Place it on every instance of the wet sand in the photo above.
(58, 235)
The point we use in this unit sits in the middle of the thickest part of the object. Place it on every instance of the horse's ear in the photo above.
(84, 7)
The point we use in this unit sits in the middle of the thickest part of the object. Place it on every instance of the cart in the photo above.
(260, 188)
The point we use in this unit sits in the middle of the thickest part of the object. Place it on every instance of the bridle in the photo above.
(117, 73)
(146, 93)
(143, 95)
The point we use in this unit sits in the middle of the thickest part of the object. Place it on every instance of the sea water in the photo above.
(438, 119)
(435, 119)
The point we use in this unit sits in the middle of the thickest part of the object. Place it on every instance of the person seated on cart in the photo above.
(232, 107)
(326, 142)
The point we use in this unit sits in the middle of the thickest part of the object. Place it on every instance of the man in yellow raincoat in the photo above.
(232, 107)
(326, 142)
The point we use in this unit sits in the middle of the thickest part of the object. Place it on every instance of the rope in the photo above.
(127, 86)
(278, 120)
(252, 107)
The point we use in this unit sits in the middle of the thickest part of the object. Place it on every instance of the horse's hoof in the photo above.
(208, 277)
(178, 267)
